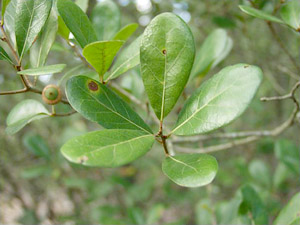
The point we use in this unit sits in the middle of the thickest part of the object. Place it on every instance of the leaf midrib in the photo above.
(112, 110)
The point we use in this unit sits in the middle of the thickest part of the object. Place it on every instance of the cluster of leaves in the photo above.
(165, 52)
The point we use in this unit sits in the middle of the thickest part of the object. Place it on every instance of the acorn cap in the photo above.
(51, 94)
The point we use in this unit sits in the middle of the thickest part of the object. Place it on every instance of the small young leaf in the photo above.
(288, 153)
(167, 54)
(30, 17)
(37, 145)
(44, 70)
(63, 30)
(290, 213)
(219, 100)
(40, 49)
(128, 58)
(213, 50)
(126, 32)
(108, 148)
(106, 19)
(99, 104)
(77, 22)
(3, 6)
(101, 54)
(260, 14)
(190, 170)
(290, 13)
(23, 113)
(253, 203)
(4, 56)
(260, 172)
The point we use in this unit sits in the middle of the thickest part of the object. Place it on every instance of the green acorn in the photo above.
(51, 94)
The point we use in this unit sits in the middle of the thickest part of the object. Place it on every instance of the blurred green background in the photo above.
(37, 185)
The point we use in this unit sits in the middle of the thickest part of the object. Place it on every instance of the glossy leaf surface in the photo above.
(4, 56)
(290, 13)
(219, 100)
(213, 50)
(101, 54)
(126, 32)
(190, 170)
(98, 103)
(106, 19)
(167, 54)
(30, 18)
(127, 59)
(23, 113)
(290, 214)
(108, 148)
(44, 70)
(260, 14)
(40, 49)
(77, 22)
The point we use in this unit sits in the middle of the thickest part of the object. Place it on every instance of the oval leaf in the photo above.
(30, 18)
(40, 49)
(99, 104)
(290, 213)
(44, 70)
(219, 100)
(128, 58)
(126, 32)
(260, 14)
(77, 22)
(290, 13)
(23, 113)
(102, 148)
(106, 19)
(101, 54)
(213, 50)
(190, 170)
(9, 20)
(167, 55)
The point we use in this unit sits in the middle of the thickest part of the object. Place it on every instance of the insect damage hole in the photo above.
(93, 86)
(83, 159)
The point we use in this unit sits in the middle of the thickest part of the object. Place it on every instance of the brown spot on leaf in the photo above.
(83, 159)
(246, 66)
(93, 86)
(164, 51)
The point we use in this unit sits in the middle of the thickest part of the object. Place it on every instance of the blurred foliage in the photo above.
(37, 185)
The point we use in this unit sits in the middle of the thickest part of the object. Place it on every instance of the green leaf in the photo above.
(98, 103)
(9, 21)
(40, 49)
(213, 50)
(4, 4)
(167, 55)
(259, 170)
(126, 32)
(128, 58)
(43, 70)
(4, 56)
(108, 148)
(260, 14)
(106, 19)
(290, 13)
(219, 100)
(288, 153)
(77, 22)
(30, 18)
(190, 170)
(63, 30)
(290, 213)
(36, 171)
(23, 113)
(37, 145)
(253, 203)
(101, 54)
